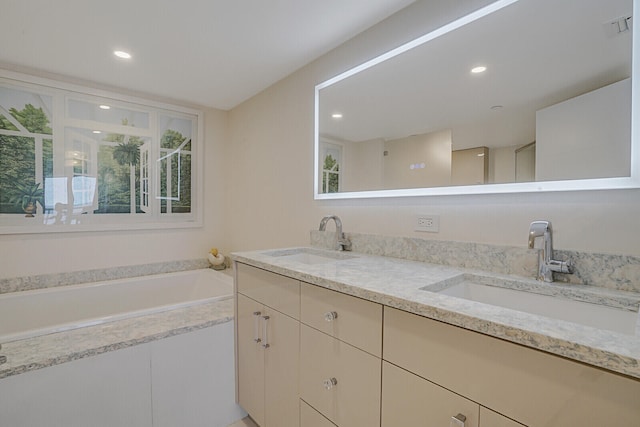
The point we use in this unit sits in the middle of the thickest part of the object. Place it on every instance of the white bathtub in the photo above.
(33, 313)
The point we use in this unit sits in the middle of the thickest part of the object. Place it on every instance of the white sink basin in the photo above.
(309, 256)
(476, 288)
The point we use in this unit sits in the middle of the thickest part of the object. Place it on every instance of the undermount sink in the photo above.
(542, 299)
(309, 256)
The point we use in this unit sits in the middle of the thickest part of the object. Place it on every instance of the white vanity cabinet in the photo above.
(340, 364)
(267, 340)
(530, 386)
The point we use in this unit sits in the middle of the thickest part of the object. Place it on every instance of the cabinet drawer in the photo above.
(350, 319)
(309, 417)
(489, 418)
(354, 399)
(273, 290)
(507, 377)
(408, 400)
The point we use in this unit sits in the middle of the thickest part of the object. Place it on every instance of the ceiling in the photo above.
(214, 53)
(537, 53)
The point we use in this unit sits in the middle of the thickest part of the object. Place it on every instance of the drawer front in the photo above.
(507, 377)
(309, 417)
(489, 418)
(354, 399)
(350, 319)
(273, 290)
(408, 400)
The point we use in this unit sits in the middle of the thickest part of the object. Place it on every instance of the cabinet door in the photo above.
(250, 358)
(488, 418)
(281, 370)
(353, 399)
(309, 417)
(408, 400)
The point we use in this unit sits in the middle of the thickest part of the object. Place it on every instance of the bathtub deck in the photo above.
(48, 350)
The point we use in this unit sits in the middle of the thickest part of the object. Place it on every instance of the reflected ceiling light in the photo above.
(122, 54)
(336, 115)
(105, 107)
(97, 131)
(479, 69)
(480, 155)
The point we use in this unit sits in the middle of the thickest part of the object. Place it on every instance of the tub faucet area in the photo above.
(546, 264)
(342, 243)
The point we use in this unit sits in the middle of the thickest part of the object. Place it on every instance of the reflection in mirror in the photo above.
(521, 91)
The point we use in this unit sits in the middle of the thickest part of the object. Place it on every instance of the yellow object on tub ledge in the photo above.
(216, 259)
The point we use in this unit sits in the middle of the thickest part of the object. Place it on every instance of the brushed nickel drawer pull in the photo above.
(265, 344)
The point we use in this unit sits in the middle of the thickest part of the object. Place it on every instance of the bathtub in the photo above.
(184, 379)
(33, 313)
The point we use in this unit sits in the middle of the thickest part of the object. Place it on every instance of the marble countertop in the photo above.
(398, 283)
(52, 349)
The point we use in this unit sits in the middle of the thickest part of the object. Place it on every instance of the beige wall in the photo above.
(259, 185)
(30, 254)
(271, 203)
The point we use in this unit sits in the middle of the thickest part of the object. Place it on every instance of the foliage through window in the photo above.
(77, 159)
(331, 162)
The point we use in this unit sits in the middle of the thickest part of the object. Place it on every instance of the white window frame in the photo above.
(151, 218)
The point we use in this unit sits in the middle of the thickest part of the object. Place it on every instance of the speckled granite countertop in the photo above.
(397, 283)
(53, 349)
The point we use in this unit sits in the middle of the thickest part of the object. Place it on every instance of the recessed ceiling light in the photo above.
(97, 131)
(480, 155)
(479, 69)
(105, 107)
(122, 54)
(336, 115)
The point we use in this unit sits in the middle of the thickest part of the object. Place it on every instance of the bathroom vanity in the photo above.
(328, 338)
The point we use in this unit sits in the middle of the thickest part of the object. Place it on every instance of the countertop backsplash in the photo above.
(41, 281)
(619, 272)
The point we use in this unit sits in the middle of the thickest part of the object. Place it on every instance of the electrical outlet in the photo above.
(429, 223)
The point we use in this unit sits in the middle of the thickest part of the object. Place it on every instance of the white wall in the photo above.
(586, 136)
(430, 153)
(363, 165)
(30, 254)
(271, 199)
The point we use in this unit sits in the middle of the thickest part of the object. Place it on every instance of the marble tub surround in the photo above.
(399, 283)
(53, 349)
(617, 272)
(26, 283)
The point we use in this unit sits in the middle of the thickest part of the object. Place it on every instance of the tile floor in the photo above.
(245, 422)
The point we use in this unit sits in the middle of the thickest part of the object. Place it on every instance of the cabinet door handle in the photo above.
(265, 344)
(458, 421)
(330, 383)
(330, 316)
(256, 326)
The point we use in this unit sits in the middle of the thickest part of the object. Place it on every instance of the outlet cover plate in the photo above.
(427, 222)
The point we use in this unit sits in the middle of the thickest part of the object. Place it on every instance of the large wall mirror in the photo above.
(519, 96)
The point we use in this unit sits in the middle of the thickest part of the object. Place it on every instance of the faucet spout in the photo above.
(546, 264)
(342, 243)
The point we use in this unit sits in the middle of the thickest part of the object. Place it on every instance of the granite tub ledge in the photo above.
(53, 349)
(398, 283)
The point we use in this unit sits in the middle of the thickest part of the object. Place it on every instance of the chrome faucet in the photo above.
(546, 264)
(342, 243)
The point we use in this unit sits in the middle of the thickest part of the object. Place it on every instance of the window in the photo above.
(70, 157)
(331, 167)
